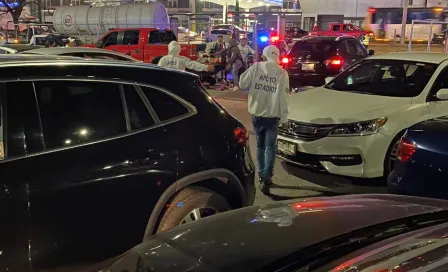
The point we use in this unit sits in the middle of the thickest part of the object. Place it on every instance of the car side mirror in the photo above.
(371, 52)
(328, 79)
(99, 44)
(442, 94)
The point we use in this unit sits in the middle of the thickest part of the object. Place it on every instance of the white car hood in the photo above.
(324, 106)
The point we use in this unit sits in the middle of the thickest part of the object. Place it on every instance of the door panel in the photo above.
(131, 39)
(93, 187)
(14, 192)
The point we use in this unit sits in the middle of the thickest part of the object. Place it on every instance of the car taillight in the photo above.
(274, 39)
(335, 62)
(285, 60)
(241, 135)
(405, 150)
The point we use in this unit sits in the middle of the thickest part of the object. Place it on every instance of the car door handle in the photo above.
(137, 50)
(4, 191)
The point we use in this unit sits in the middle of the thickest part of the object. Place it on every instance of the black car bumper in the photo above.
(298, 80)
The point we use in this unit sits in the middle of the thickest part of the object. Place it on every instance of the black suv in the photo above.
(97, 156)
(314, 58)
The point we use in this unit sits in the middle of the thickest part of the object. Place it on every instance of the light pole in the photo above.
(404, 21)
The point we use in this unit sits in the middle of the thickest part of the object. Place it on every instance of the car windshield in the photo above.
(358, 28)
(397, 78)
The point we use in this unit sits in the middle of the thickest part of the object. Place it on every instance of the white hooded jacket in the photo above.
(174, 61)
(268, 86)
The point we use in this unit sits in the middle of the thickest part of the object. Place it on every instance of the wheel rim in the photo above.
(393, 157)
(197, 214)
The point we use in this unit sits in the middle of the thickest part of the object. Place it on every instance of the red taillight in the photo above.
(371, 10)
(335, 62)
(285, 60)
(241, 136)
(405, 150)
(274, 39)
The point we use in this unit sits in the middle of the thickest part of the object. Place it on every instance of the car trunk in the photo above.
(310, 61)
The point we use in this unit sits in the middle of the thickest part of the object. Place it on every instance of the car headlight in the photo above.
(359, 128)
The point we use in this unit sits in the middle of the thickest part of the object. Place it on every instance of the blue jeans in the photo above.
(266, 133)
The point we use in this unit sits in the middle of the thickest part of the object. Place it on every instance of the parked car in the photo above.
(352, 125)
(145, 44)
(184, 34)
(338, 29)
(421, 165)
(82, 52)
(99, 155)
(312, 59)
(344, 233)
(17, 48)
(60, 40)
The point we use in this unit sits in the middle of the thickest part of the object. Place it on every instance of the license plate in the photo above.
(286, 147)
(307, 66)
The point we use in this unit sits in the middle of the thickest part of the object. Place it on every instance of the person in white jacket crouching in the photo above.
(175, 61)
(268, 86)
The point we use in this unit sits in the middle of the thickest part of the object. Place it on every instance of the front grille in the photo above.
(305, 131)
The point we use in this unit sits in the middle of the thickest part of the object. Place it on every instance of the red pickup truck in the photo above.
(144, 44)
(337, 29)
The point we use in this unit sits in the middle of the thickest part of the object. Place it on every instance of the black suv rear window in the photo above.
(313, 46)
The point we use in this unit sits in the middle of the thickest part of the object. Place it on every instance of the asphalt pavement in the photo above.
(291, 181)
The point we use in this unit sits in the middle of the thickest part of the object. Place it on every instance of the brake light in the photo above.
(335, 62)
(274, 39)
(285, 60)
(405, 150)
(241, 135)
(371, 10)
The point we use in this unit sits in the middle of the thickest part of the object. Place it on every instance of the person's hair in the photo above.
(244, 39)
(220, 36)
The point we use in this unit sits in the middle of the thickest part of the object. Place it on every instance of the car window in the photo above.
(110, 39)
(24, 134)
(385, 78)
(77, 112)
(336, 28)
(355, 48)
(343, 47)
(131, 37)
(161, 37)
(139, 115)
(165, 106)
(310, 46)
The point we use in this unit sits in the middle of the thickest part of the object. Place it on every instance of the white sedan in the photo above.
(351, 126)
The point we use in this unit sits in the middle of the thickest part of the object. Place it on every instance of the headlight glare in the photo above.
(359, 128)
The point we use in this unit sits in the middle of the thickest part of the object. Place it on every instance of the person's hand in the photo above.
(283, 124)
(210, 68)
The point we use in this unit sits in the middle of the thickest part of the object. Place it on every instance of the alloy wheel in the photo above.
(197, 214)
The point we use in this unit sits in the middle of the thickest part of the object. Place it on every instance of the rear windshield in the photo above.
(161, 37)
(313, 46)
(397, 78)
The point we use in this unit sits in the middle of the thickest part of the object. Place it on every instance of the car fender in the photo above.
(223, 175)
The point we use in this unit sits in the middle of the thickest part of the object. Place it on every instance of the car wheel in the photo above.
(191, 204)
(156, 60)
(391, 156)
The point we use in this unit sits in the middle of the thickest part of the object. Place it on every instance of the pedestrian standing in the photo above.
(235, 62)
(268, 86)
(245, 50)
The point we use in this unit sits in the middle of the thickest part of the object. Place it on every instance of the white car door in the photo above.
(438, 107)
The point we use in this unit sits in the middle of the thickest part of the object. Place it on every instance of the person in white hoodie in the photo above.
(175, 61)
(268, 86)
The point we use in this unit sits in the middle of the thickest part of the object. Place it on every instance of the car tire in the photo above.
(391, 152)
(156, 60)
(189, 202)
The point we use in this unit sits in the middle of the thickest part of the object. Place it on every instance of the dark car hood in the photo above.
(250, 238)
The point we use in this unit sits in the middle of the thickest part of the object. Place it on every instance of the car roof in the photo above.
(18, 60)
(62, 50)
(435, 58)
(327, 38)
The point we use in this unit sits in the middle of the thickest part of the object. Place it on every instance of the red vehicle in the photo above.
(144, 44)
(338, 29)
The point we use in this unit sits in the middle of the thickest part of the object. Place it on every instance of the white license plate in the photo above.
(307, 66)
(286, 147)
